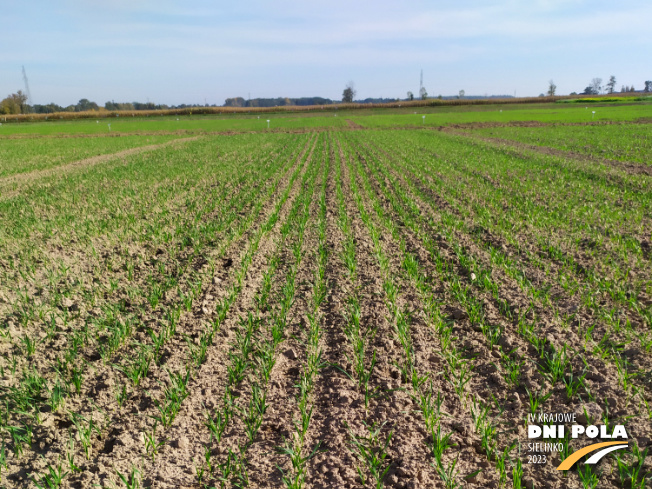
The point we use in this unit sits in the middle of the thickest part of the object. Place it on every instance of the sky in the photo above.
(203, 51)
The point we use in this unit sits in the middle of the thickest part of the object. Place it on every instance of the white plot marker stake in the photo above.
(267, 123)
(109, 127)
(593, 115)
(424, 118)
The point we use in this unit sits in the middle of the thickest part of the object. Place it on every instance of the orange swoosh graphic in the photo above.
(568, 463)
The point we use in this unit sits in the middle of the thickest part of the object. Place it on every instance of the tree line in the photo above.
(596, 87)
(275, 102)
(17, 103)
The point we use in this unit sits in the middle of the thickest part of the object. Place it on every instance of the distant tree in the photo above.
(590, 90)
(622, 89)
(439, 96)
(47, 109)
(234, 102)
(596, 85)
(552, 88)
(16, 103)
(611, 86)
(423, 93)
(85, 104)
(410, 96)
(573, 93)
(137, 106)
(349, 93)
(648, 86)
(461, 94)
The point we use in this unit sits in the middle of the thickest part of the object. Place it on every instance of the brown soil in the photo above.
(489, 125)
(353, 125)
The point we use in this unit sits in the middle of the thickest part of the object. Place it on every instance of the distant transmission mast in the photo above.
(27, 92)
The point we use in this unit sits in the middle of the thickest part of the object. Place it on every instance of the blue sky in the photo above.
(194, 51)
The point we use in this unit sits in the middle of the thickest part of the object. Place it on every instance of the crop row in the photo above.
(623, 142)
(571, 277)
(122, 324)
(554, 364)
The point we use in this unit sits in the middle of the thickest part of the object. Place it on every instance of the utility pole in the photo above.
(27, 92)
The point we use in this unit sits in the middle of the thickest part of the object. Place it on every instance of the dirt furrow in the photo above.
(393, 402)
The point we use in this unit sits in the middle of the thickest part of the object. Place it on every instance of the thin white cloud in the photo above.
(528, 25)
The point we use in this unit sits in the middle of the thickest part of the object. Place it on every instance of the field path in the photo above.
(93, 160)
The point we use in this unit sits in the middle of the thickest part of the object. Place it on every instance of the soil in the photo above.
(353, 125)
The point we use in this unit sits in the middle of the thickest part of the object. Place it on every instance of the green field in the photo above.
(372, 118)
(346, 299)
(622, 142)
(26, 155)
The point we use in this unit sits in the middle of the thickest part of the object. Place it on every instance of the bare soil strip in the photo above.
(354, 125)
(181, 132)
(489, 125)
